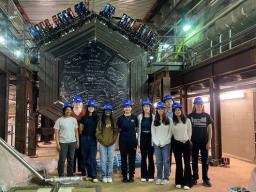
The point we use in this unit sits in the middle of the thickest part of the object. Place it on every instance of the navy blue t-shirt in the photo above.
(90, 125)
(200, 122)
(146, 124)
(127, 124)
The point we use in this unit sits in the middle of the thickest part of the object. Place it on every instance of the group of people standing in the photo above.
(77, 133)
(162, 133)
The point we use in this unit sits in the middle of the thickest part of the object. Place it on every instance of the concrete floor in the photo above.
(222, 178)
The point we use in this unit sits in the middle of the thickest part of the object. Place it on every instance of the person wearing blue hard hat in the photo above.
(68, 104)
(128, 127)
(78, 113)
(161, 137)
(201, 139)
(198, 101)
(168, 100)
(67, 139)
(181, 131)
(106, 134)
(77, 99)
(127, 103)
(145, 141)
(87, 128)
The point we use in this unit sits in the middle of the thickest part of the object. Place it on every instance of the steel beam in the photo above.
(4, 103)
(216, 114)
(184, 99)
(21, 113)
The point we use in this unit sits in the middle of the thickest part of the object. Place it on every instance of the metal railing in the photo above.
(223, 42)
(205, 49)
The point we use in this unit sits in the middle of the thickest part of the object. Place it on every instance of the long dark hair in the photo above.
(94, 114)
(165, 120)
(103, 120)
(150, 115)
(175, 119)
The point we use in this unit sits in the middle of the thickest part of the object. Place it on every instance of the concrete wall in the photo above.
(237, 124)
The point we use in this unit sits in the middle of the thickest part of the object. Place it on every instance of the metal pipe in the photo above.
(55, 188)
(220, 43)
(16, 155)
(230, 38)
(19, 158)
(217, 18)
(64, 180)
(211, 46)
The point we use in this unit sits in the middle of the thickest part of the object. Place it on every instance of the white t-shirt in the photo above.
(182, 132)
(67, 127)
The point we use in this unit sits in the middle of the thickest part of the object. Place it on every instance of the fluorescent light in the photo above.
(232, 95)
(165, 46)
(186, 27)
(2, 40)
(17, 53)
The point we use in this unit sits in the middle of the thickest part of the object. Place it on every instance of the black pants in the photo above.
(204, 158)
(147, 152)
(171, 151)
(127, 147)
(182, 177)
(67, 151)
(77, 160)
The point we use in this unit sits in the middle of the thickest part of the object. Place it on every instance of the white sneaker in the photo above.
(110, 180)
(186, 187)
(104, 180)
(143, 180)
(95, 180)
(158, 181)
(178, 186)
(164, 182)
(150, 180)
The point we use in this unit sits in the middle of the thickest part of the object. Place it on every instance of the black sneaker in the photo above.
(131, 179)
(125, 180)
(194, 182)
(207, 183)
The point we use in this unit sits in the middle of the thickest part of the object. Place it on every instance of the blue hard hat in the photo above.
(167, 97)
(91, 103)
(108, 106)
(68, 104)
(176, 105)
(126, 103)
(160, 105)
(198, 101)
(77, 99)
(146, 102)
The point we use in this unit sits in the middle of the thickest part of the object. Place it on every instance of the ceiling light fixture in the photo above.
(186, 27)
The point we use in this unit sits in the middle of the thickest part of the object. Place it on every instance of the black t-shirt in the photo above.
(90, 125)
(127, 124)
(200, 122)
(146, 124)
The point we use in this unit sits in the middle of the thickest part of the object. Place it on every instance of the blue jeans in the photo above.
(163, 161)
(106, 160)
(67, 151)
